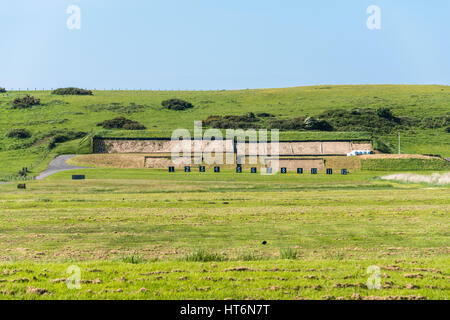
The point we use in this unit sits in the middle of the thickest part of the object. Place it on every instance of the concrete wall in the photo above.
(159, 146)
(307, 148)
(285, 148)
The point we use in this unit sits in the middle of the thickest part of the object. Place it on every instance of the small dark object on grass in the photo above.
(21, 186)
(264, 243)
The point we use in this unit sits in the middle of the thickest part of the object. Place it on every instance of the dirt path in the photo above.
(57, 165)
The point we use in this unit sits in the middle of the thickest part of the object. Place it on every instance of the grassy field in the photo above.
(147, 234)
(82, 113)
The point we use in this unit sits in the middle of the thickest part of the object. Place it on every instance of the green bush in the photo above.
(447, 129)
(364, 120)
(25, 102)
(19, 133)
(265, 115)
(289, 254)
(133, 259)
(435, 122)
(287, 124)
(61, 137)
(121, 123)
(203, 256)
(176, 104)
(2, 90)
(72, 91)
(311, 123)
(133, 126)
(381, 146)
(385, 113)
(246, 121)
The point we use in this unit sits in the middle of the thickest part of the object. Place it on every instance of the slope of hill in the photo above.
(71, 117)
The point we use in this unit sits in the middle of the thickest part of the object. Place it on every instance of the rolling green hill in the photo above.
(58, 115)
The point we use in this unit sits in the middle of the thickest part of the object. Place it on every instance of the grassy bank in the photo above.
(405, 164)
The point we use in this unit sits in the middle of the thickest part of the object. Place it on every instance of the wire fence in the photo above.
(113, 89)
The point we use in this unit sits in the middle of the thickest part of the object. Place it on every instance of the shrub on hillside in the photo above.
(265, 115)
(288, 124)
(381, 146)
(385, 113)
(435, 122)
(19, 133)
(2, 90)
(121, 123)
(25, 102)
(61, 137)
(312, 123)
(246, 121)
(176, 104)
(447, 129)
(72, 91)
(362, 120)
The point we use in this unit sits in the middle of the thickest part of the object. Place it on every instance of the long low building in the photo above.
(306, 148)
(285, 148)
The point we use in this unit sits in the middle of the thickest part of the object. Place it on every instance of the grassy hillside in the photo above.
(58, 114)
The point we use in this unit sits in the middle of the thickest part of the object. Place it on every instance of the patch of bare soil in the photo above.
(39, 291)
(238, 269)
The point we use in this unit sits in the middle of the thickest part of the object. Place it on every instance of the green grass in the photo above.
(156, 235)
(288, 253)
(405, 164)
(82, 113)
(204, 256)
(278, 279)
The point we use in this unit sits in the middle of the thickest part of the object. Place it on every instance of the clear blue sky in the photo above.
(222, 44)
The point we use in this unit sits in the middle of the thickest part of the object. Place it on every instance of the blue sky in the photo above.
(218, 44)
